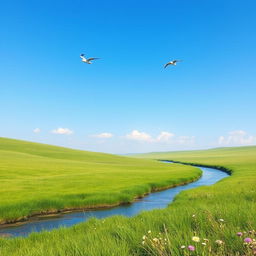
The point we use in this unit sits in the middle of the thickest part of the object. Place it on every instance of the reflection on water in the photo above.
(156, 200)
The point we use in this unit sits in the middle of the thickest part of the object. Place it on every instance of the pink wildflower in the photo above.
(247, 240)
(191, 248)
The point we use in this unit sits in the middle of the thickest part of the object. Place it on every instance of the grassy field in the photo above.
(37, 178)
(216, 213)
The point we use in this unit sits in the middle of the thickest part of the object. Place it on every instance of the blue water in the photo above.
(156, 200)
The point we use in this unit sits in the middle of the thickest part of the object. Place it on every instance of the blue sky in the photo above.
(126, 102)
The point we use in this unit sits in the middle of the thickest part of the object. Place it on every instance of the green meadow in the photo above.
(37, 178)
(212, 214)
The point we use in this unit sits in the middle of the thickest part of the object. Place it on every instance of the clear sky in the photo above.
(126, 101)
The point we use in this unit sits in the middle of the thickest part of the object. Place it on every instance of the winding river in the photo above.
(156, 200)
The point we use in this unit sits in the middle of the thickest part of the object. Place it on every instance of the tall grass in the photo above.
(214, 212)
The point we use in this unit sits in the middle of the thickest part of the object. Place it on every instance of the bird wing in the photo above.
(82, 56)
(167, 64)
(92, 59)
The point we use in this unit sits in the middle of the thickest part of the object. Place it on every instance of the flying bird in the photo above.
(88, 61)
(172, 62)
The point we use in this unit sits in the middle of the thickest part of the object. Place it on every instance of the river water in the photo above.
(156, 200)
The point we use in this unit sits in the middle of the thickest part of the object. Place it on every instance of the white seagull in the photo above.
(172, 62)
(88, 61)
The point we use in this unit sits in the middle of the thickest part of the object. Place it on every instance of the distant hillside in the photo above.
(45, 150)
(211, 153)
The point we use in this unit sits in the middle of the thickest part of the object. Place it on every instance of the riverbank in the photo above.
(58, 213)
(38, 180)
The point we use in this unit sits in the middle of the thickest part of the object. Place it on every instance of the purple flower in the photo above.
(239, 233)
(191, 248)
(248, 240)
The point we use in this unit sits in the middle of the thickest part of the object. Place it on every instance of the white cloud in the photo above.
(139, 136)
(60, 130)
(37, 130)
(104, 135)
(164, 137)
(238, 137)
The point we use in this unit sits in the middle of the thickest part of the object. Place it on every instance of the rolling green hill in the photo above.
(37, 178)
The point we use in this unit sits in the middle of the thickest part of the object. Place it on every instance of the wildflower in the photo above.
(155, 240)
(206, 240)
(144, 237)
(239, 233)
(196, 239)
(204, 244)
(149, 232)
(219, 242)
(183, 247)
(143, 242)
(193, 216)
(221, 220)
(247, 240)
(191, 248)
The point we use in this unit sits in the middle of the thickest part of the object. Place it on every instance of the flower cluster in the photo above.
(249, 240)
(160, 244)
(200, 244)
